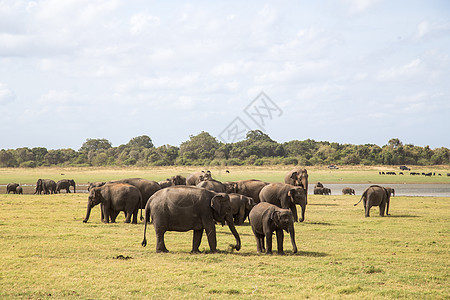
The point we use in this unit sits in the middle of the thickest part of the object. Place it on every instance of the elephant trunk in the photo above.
(303, 214)
(292, 234)
(234, 232)
(88, 213)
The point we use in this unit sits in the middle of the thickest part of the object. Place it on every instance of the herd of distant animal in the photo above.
(198, 202)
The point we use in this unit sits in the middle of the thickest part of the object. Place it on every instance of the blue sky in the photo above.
(346, 71)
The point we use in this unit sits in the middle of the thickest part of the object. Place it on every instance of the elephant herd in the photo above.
(44, 186)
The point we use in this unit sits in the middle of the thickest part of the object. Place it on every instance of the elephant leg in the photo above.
(160, 245)
(135, 216)
(106, 214)
(382, 208)
(368, 207)
(196, 240)
(269, 243)
(128, 216)
(212, 240)
(241, 216)
(280, 238)
(259, 243)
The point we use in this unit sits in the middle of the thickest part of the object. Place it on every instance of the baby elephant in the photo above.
(265, 218)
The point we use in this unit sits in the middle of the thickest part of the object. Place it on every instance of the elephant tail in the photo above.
(146, 220)
(362, 197)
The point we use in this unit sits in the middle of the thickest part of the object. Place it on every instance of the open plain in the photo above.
(48, 253)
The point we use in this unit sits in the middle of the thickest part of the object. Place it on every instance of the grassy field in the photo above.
(48, 253)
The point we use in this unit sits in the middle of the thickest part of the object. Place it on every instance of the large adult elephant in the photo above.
(197, 177)
(114, 198)
(285, 196)
(240, 207)
(145, 186)
(65, 184)
(348, 191)
(375, 195)
(217, 186)
(46, 186)
(95, 184)
(11, 187)
(250, 188)
(297, 177)
(265, 218)
(391, 191)
(184, 208)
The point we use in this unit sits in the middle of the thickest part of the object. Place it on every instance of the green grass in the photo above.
(48, 253)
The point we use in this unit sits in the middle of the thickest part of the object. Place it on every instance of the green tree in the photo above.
(143, 141)
(201, 146)
(95, 145)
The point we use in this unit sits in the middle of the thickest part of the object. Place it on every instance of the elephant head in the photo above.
(178, 180)
(298, 196)
(95, 197)
(221, 206)
(283, 219)
(72, 183)
(207, 175)
(230, 187)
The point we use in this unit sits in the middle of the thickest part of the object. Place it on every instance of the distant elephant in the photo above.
(297, 177)
(165, 183)
(319, 191)
(11, 187)
(326, 191)
(46, 186)
(114, 198)
(348, 191)
(265, 218)
(145, 186)
(65, 184)
(285, 196)
(183, 208)
(197, 177)
(217, 186)
(240, 207)
(178, 180)
(375, 196)
(250, 188)
(95, 184)
(318, 184)
(391, 191)
(19, 190)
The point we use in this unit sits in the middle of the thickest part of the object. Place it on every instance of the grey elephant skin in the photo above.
(197, 177)
(285, 196)
(322, 191)
(217, 186)
(184, 208)
(348, 191)
(46, 186)
(114, 198)
(65, 184)
(145, 186)
(250, 188)
(19, 190)
(95, 184)
(265, 218)
(390, 191)
(240, 207)
(12, 187)
(297, 177)
(375, 195)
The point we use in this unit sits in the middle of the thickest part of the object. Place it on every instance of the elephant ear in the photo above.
(294, 175)
(218, 204)
(275, 217)
(291, 193)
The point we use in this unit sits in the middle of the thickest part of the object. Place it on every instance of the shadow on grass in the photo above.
(319, 223)
(323, 204)
(403, 216)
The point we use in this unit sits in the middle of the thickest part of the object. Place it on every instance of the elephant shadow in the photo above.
(287, 253)
(403, 216)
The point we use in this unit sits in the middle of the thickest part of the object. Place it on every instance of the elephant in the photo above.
(46, 186)
(348, 191)
(297, 177)
(19, 190)
(146, 187)
(265, 218)
(240, 207)
(96, 184)
(65, 184)
(184, 208)
(285, 196)
(217, 186)
(114, 198)
(390, 190)
(250, 188)
(318, 184)
(318, 191)
(178, 180)
(326, 191)
(375, 195)
(11, 187)
(197, 177)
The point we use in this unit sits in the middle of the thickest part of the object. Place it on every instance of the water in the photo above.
(401, 189)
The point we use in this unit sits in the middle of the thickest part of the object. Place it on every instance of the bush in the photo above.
(28, 164)
(234, 162)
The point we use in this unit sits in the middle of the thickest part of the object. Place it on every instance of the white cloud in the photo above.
(406, 71)
(6, 94)
(139, 23)
(359, 6)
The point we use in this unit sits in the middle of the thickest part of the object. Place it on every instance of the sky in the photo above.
(345, 71)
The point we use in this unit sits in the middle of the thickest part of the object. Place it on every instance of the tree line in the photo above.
(204, 149)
